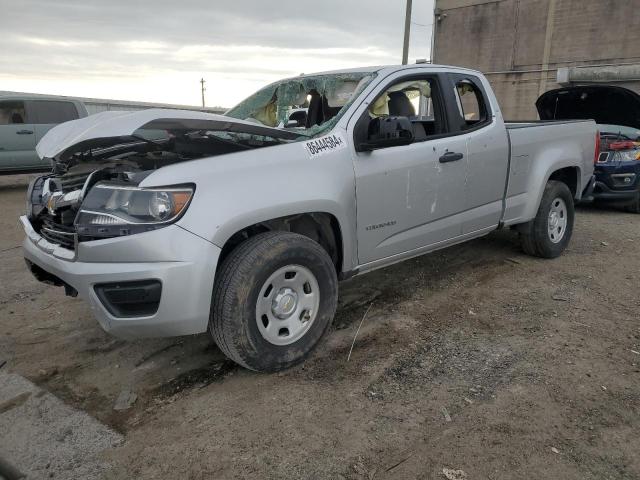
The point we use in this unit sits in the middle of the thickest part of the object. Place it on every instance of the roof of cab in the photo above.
(389, 68)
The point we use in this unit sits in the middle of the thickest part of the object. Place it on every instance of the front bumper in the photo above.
(617, 182)
(604, 193)
(182, 262)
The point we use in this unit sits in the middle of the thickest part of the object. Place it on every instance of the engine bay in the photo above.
(92, 192)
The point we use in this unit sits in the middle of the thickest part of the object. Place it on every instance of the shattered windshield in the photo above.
(305, 105)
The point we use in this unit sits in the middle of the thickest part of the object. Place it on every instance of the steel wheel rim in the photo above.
(557, 221)
(287, 305)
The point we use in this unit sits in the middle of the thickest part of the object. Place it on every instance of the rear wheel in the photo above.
(274, 297)
(549, 233)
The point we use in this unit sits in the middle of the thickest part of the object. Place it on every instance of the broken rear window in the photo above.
(308, 105)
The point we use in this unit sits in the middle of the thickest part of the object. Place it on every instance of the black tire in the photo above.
(535, 237)
(635, 206)
(233, 322)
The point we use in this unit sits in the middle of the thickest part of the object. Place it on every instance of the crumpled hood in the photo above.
(94, 130)
(606, 104)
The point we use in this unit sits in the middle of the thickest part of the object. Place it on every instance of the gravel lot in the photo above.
(477, 358)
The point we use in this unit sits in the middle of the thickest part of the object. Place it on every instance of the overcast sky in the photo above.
(158, 50)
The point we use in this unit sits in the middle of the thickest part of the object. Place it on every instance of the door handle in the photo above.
(451, 157)
(24, 132)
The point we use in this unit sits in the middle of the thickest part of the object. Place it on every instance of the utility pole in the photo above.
(407, 33)
(202, 82)
(436, 19)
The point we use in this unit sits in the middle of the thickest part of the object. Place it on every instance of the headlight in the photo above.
(111, 210)
(628, 156)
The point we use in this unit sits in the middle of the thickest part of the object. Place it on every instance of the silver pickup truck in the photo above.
(243, 224)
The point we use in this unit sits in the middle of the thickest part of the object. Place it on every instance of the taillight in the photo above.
(597, 154)
(623, 145)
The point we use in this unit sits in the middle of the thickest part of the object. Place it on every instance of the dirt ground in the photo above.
(476, 358)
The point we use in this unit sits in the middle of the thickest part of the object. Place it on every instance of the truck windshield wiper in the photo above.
(157, 143)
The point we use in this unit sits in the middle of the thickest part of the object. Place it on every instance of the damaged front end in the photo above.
(94, 190)
(100, 161)
(93, 202)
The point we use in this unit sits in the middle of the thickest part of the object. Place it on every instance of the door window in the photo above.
(49, 111)
(413, 99)
(471, 104)
(12, 112)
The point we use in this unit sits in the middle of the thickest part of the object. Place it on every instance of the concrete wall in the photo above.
(520, 44)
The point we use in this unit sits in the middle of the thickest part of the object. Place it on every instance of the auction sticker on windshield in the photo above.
(323, 145)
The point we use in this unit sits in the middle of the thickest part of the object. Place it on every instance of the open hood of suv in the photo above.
(605, 104)
(101, 129)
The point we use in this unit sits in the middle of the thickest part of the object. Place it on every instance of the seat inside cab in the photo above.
(411, 99)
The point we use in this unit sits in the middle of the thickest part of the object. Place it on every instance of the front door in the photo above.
(46, 114)
(410, 196)
(17, 137)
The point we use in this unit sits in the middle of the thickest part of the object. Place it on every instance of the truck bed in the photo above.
(537, 149)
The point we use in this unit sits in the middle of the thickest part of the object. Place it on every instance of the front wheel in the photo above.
(549, 233)
(274, 297)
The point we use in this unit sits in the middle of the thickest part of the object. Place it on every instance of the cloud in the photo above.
(158, 50)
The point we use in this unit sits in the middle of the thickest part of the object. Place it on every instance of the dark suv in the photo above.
(617, 112)
(618, 171)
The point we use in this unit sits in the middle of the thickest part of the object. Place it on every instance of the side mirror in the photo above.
(386, 132)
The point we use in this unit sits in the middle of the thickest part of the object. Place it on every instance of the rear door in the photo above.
(17, 137)
(488, 152)
(410, 196)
